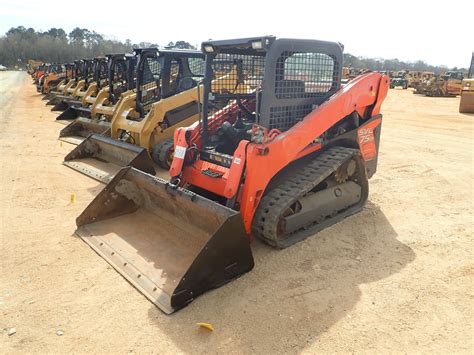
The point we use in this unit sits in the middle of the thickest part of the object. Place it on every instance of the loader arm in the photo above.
(100, 102)
(75, 88)
(87, 94)
(69, 88)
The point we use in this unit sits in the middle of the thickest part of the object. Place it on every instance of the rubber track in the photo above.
(275, 203)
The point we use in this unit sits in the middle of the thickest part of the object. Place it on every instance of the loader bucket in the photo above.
(60, 106)
(73, 112)
(170, 243)
(102, 157)
(64, 105)
(55, 97)
(81, 128)
(69, 113)
(52, 101)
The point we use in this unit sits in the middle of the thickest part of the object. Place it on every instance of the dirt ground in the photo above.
(398, 277)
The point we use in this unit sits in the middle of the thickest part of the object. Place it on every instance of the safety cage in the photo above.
(274, 82)
(100, 67)
(164, 73)
(68, 68)
(57, 68)
(88, 70)
(77, 70)
(121, 74)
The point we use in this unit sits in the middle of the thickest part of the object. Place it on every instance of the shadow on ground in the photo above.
(292, 295)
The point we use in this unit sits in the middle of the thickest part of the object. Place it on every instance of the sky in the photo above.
(436, 32)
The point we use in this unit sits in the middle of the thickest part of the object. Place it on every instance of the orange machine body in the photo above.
(262, 162)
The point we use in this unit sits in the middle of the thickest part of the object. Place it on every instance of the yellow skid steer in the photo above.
(66, 89)
(96, 117)
(60, 89)
(74, 94)
(88, 96)
(166, 97)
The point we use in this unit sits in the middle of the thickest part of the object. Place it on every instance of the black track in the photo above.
(277, 201)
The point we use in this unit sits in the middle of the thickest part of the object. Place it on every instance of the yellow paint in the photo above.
(208, 326)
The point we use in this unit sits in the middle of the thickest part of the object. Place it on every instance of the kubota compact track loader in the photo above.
(281, 162)
(95, 115)
(89, 94)
(166, 97)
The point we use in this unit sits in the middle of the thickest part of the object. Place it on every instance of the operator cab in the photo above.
(164, 73)
(121, 74)
(276, 83)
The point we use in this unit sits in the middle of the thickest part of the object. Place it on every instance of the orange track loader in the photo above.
(281, 162)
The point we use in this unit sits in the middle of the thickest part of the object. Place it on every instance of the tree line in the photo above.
(378, 64)
(20, 44)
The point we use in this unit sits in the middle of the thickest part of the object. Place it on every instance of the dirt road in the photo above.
(398, 277)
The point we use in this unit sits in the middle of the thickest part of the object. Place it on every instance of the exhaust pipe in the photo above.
(171, 244)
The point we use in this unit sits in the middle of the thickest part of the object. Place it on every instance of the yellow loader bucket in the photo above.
(81, 128)
(168, 242)
(102, 157)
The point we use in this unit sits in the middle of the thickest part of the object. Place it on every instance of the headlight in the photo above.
(257, 45)
(208, 48)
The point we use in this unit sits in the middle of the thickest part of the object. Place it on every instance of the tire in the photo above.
(162, 153)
